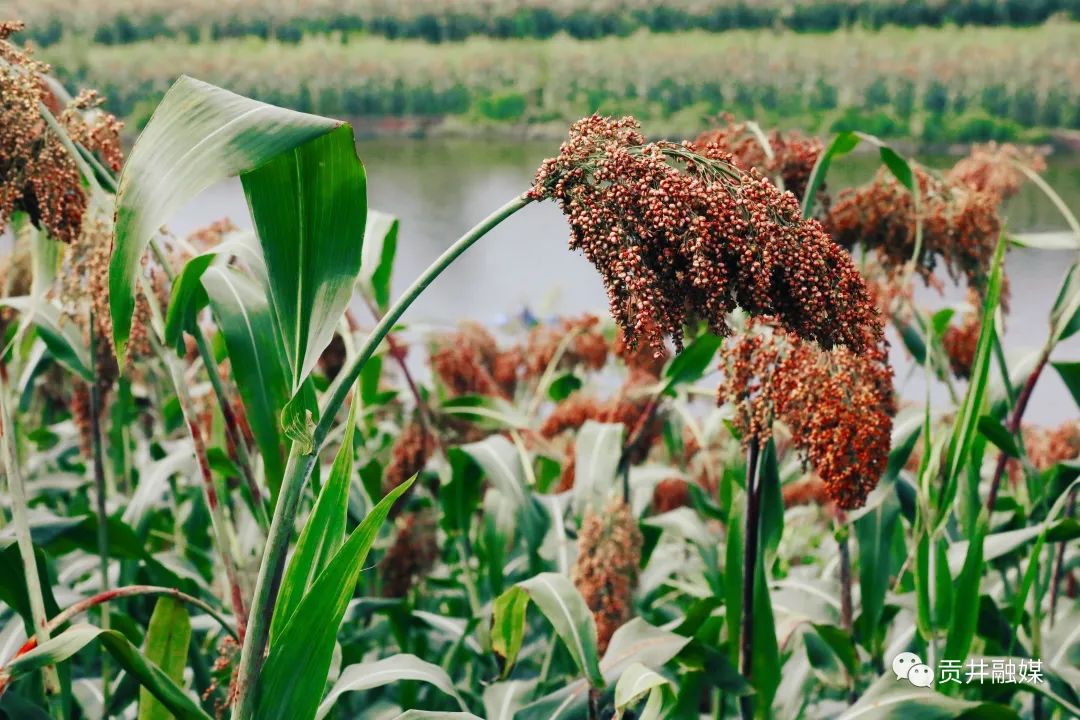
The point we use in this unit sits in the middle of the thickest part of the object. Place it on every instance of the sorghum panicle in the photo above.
(409, 455)
(960, 225)
(792, 160)
(1047, 446)
(586, 347)
(995, 169)
(669, 494)
(678, 235)
(606, 570)
(413, 554)
(469, 362)
(37, 174)
(838, 405)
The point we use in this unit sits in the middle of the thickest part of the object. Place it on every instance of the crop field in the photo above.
(240, 479)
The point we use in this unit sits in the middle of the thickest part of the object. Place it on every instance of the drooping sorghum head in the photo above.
(1047, 446)
(408, 456)
(37, 174)
(641, 359)
(469, 362)
(606, 570)
(961, 340)
(579, 342)
(630, 407)
(810, 490)
(677, 235)
(669, 494)
(790, 157)
(995, 169)
(837, 405)
(960, 225)
(413, 554)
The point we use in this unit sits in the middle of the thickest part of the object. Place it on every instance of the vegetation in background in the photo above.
(229, 493)
(114, 23)
(938, 85)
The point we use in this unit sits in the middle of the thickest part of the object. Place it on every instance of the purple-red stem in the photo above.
(750, 553)
(1013, 425)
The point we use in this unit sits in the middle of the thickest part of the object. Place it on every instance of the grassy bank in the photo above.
(946, 85)
(110, 22)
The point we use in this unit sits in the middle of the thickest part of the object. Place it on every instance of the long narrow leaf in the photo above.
(296, 669)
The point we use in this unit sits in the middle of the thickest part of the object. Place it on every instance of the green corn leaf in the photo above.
(304, 185)
(996, 433)
(693, 361)
(639, 682)
(1070, 375)
(148, 674)
(167, 641)
(597, 452)
(310, 207)
(257, 359)
(188, 295)
(323, 531)
(967, 418)
(966, 596)
(61, 338)
(297, 666)
(841, 145)
(889, 699)
(565, 609)
(380, 246)
(364, 676)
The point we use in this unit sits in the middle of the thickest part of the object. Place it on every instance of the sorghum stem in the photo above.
(299, 467)
(846, 609)
(1013, 425)
(19, 508)
(232, 430)
(102, 510)
(1059, 562)
(750, 552)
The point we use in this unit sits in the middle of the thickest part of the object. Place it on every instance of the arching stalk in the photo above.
(299, 466)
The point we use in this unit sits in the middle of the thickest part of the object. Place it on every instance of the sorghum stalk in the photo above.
(1059, 563)
(750, 553)
(843, 537)
(102, 510)
(19, 508)
(299, 467)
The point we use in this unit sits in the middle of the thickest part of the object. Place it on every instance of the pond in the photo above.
(439, 188)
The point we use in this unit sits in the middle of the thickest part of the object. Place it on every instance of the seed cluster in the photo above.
(413, 554)
(669, 494)
(996, 169)
(837, 404)
(581, 340)
(1047, 446)
(606, 570)
(961, 340)
(677, 235)
(960, 225)
(469, 362)
(408, 456)
(790, 157)
(37, 174)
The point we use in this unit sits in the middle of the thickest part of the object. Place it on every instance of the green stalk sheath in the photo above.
(102, 508)
(19, 508)
(299, 467)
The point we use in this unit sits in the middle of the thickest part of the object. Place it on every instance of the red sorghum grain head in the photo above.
(413, 554)
(641, 358)
(995, 169)
(962, 339)
(408, 456)
(578, 342)
(838, 405)
(677, 235)
(469, 362)
(1047, 446)
(960, 225)
(790, 157)
(606, 570)
(37, 174)
(669, 494)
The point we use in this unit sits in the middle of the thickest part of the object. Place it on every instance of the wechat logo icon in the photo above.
(909, 666)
